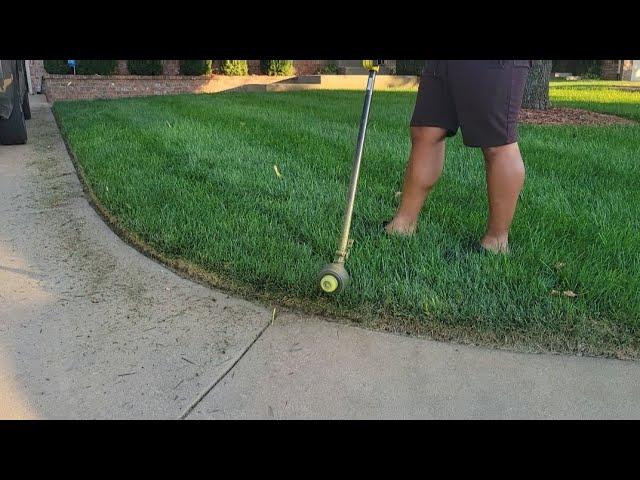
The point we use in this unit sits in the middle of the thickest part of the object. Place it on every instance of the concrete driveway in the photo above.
(90, 328)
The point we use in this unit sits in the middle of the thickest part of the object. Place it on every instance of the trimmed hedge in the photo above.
(277, 67)
(96, 67)
(144, 67)
(59, 67)
(195, 67)
(234, 67)
(409, 67)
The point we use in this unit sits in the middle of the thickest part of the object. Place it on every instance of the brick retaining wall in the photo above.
(610, 69)
(171, 68)
(75, 87)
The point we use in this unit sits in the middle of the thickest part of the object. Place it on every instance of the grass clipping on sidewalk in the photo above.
(246, 191)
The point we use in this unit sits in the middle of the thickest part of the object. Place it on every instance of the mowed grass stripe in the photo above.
(193, 176)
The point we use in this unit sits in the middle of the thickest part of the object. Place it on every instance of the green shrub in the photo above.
(96, 67)
(277, 67)
(195, 67)
(144, 67)
(59, 67)
(583, 68)
(591, 69)
(328, 69)
(234, 67)
(409, 67)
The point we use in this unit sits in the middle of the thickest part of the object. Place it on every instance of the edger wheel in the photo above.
(333, 278)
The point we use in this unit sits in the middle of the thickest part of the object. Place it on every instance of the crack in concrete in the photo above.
(202, 396)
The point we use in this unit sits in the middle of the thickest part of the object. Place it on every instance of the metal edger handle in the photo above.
(373, 66)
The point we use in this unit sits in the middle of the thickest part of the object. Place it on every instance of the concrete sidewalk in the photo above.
(307, 368)
(90, 328)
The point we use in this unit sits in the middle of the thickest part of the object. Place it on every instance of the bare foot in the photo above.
(495, 244)
(400, 228)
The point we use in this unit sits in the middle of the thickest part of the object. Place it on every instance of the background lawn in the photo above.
(193, 176)
(617, 98)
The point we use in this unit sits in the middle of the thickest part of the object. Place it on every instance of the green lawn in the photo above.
(617, 98)
(193, 177)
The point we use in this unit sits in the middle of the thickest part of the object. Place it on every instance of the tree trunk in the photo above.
(536, 91)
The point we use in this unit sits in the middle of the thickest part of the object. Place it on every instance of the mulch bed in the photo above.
(570, 116)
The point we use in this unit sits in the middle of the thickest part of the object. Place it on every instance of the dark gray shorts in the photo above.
(481, 97)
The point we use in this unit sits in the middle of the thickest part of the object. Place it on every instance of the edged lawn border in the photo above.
(322, 307)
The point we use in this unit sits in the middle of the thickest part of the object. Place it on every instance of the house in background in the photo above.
(628, 70)
(621, 70)
(609, 69)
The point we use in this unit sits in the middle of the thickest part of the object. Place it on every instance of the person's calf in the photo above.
(505, 178)
(423, 171)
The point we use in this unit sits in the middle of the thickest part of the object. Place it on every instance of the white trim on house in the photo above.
(635, 71)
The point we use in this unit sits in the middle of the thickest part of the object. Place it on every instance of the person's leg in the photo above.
(434, 118)
(423, 171)
(505, 178)
(488, 96)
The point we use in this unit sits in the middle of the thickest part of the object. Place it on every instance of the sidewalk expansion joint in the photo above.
(202, 396)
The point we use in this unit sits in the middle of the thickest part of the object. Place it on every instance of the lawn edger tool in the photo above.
(333, 278)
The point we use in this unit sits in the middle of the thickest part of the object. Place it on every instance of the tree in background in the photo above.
(536, 91)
